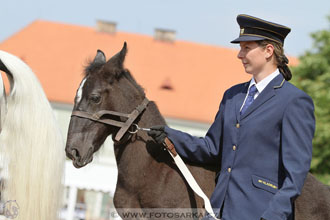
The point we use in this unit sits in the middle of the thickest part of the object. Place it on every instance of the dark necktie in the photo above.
(250, 98)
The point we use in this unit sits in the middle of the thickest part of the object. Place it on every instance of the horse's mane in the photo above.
(31, 146)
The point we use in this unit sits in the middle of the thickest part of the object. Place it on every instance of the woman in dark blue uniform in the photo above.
(262, 134)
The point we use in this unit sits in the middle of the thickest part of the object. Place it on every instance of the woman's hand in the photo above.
(158, 133)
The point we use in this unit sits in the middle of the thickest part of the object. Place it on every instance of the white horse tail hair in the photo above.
(31, 147)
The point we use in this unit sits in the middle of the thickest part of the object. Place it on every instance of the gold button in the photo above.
(229, 169)
(237, 125)
(234, 147)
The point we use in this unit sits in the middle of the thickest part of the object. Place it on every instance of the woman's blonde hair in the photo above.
(280, 58)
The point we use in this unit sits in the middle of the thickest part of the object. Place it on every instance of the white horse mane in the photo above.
(31, 147)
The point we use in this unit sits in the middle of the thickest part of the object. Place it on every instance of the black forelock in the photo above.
(116, 74)
(92, 67)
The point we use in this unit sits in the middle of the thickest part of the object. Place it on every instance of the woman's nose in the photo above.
(240, 54)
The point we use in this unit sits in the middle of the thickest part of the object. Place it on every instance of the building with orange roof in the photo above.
(197, 74)
(185, 79)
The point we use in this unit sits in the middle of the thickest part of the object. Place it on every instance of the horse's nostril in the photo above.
(75, 154)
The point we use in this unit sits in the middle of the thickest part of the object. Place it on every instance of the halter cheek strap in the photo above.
(124, 126)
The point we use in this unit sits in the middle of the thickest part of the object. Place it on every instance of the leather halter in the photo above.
(124, 126)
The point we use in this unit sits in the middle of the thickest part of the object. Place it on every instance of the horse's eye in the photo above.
(95, 99)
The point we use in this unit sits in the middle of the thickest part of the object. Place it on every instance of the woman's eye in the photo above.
(95, 99)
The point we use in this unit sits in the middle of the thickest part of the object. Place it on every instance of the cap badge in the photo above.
(242, 31)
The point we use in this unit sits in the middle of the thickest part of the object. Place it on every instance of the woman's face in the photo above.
(253, 57)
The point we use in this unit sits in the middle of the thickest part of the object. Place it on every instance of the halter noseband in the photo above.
(124, 126)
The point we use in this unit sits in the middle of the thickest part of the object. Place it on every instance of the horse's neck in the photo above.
(151, 116)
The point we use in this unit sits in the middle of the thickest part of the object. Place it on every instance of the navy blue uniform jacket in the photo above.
(265, 153)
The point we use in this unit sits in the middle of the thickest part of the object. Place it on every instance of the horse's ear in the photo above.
(118, 59)
(99, 58)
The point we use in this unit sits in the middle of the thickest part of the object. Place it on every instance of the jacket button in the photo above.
(234, 148)
(229, 169)
(237, 125)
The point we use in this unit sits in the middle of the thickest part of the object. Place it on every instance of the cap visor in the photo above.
(246, 38)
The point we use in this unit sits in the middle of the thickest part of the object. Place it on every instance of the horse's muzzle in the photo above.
(76, 158)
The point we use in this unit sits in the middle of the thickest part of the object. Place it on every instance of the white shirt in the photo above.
(260, 85)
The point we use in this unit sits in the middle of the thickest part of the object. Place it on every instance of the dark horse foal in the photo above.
(147, 177)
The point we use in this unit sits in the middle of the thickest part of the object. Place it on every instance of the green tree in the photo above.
(313, 76)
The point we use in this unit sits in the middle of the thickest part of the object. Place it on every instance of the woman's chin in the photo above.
(248, 71)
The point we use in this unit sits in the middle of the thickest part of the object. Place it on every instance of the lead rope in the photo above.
(189, 177)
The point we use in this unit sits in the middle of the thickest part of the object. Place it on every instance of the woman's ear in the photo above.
(269, 51)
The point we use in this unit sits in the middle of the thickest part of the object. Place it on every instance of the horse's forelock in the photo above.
(110, 73)
(92, 67)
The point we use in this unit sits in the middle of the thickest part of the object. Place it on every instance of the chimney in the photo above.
(164, 35)
(106, 26)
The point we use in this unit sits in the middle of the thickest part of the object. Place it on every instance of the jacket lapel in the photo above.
(265, 95)
(239, 98)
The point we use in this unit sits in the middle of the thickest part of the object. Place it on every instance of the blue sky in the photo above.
(203, 21)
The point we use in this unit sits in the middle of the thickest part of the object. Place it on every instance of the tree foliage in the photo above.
(313, 76)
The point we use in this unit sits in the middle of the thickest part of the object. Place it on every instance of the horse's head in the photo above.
(106, 86)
